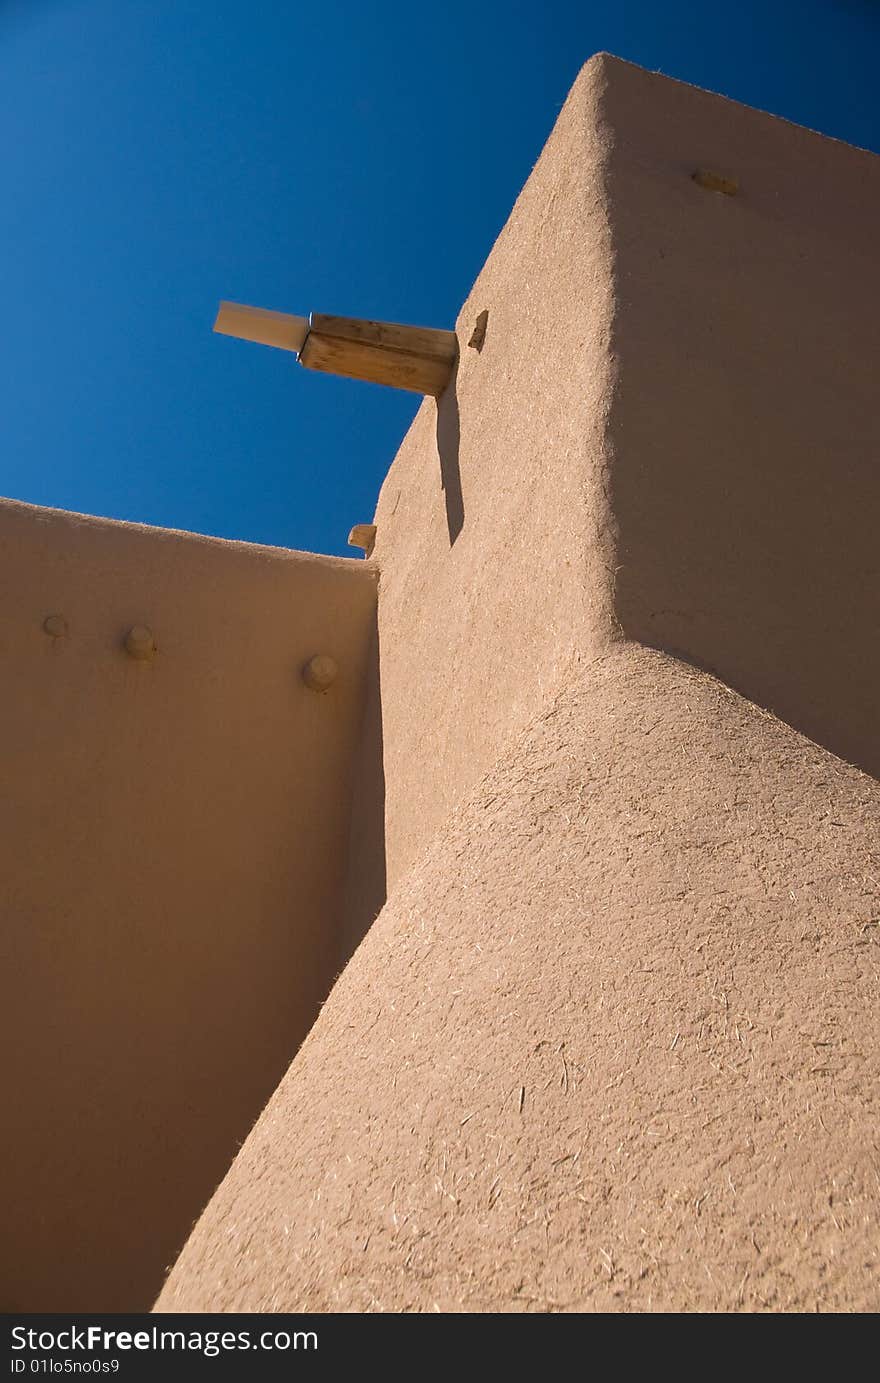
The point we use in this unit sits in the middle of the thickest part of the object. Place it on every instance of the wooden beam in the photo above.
(281, 329)
(363, 535)
(419, 359)
(427, 341)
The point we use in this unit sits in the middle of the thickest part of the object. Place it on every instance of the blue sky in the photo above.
(343, 157)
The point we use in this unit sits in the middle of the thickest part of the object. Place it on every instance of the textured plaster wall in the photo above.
(611, 1045)
(171, 841)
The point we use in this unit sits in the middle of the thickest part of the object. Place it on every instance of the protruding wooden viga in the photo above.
(419, 359)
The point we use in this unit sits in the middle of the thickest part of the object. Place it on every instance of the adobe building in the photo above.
(545, 936)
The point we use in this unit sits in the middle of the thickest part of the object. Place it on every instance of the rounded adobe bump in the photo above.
(55, 626)
(320, 672)
(140, 643)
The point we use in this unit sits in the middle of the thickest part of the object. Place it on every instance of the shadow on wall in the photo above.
(745, 424)
(448, 443)
(366, 879)
(365, 883)
(748, 540)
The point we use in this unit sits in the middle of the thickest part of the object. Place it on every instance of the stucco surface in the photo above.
(611, 1044)
(170, 876)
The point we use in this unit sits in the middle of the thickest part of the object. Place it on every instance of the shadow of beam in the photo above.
(448, 444)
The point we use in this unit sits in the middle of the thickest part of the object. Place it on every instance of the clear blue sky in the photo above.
(340, 156)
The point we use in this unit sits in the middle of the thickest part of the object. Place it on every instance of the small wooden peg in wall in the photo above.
(55, 626)
(716, 182)
(478, 335)
(140, 643)
(363, 535)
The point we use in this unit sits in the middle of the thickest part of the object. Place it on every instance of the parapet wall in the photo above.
(171, 854)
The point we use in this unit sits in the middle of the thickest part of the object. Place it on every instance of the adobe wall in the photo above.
(670, 434)
(610, 1046)
(170, 870)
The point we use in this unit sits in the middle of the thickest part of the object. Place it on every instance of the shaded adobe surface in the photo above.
(744, 430)
(171, 891)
